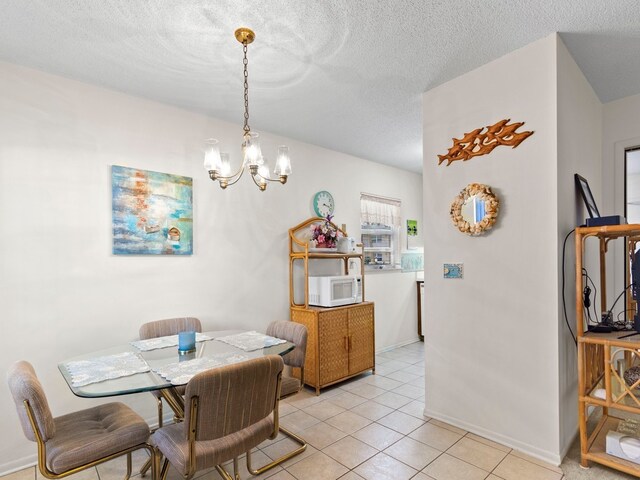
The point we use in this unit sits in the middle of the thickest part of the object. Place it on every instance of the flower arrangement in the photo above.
(324, 235)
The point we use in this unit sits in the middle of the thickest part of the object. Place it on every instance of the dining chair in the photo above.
(295, 333)
(79, 440)
(163, 328)
(228, 411)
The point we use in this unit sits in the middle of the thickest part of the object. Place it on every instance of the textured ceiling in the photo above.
(347, 75)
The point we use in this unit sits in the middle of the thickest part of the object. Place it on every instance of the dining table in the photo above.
(209, 353)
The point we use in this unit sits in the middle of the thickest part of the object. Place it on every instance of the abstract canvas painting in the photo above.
(152, 212)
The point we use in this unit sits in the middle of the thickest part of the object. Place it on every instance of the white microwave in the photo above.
(334, 291)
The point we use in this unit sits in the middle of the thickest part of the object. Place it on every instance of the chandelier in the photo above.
(218, 165)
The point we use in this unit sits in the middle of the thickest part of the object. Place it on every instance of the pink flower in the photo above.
(320, 239)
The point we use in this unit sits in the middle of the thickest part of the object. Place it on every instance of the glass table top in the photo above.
(144, 382)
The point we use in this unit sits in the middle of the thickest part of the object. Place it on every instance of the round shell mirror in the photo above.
(475, 209)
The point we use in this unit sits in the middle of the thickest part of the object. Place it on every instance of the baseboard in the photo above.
(398, 345)
(19, 464)
(544, 455)
(565, 448)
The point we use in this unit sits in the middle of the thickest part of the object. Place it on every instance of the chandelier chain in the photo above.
(247, 129)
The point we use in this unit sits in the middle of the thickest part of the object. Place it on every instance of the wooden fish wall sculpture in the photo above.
(480, 142)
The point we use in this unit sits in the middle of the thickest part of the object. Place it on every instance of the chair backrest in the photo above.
(24, 385)
(233, 397)
(169, 326)
(295, 333)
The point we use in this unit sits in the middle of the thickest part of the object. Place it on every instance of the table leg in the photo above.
(175, 401)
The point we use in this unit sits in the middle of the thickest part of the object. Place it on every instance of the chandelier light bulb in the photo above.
(283, 163)
(252, 150)
(263, 171)
(225, 165)
(212, 155)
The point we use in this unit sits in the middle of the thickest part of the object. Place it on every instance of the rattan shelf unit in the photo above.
(341, 340)
(603, 358)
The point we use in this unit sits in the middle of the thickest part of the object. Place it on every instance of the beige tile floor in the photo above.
(373, 428)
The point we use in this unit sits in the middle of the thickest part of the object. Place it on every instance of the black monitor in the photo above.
(587, 196)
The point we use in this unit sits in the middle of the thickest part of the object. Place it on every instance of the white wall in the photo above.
(65, 294)
(620, 130)
(579, 147)
(492, 349)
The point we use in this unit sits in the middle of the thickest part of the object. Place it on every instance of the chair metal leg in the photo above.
(223, 473)
(284, 458)
(145, 468)
(236, 474)
(164, 470)
(128, 475)
(155, 463)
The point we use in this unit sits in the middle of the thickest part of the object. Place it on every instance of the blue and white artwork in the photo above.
(453, 270)
(152, 212)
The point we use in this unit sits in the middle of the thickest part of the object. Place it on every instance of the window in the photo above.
(380, 230)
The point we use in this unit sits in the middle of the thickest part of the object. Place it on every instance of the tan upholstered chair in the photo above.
(228, 411)
(163, 328)
(76, 441)
(295, 333)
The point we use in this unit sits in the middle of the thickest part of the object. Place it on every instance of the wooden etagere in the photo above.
(341, 340)
(603, 357)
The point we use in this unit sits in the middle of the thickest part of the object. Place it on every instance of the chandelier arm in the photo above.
(239, 175)
(269, 179)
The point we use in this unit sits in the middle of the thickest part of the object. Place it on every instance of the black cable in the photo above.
(564, 303)
(623, 311)
(595, 293)
(610, 311)
(589, 319)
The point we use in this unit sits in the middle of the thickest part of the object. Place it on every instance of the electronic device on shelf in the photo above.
(595, 219)
(335, 291)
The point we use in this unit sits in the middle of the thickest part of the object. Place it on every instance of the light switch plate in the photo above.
(453, 270)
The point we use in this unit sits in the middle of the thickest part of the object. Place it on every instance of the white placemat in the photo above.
(93, 370)
(179, 373)
(249, 341)
(163, 342)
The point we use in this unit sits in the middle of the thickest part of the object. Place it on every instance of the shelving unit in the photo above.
(341, 340)
(603, 358)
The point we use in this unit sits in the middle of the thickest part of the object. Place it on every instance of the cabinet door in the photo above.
(361, 338)
(333, 331)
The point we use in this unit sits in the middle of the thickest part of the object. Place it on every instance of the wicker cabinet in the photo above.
(340, 341)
